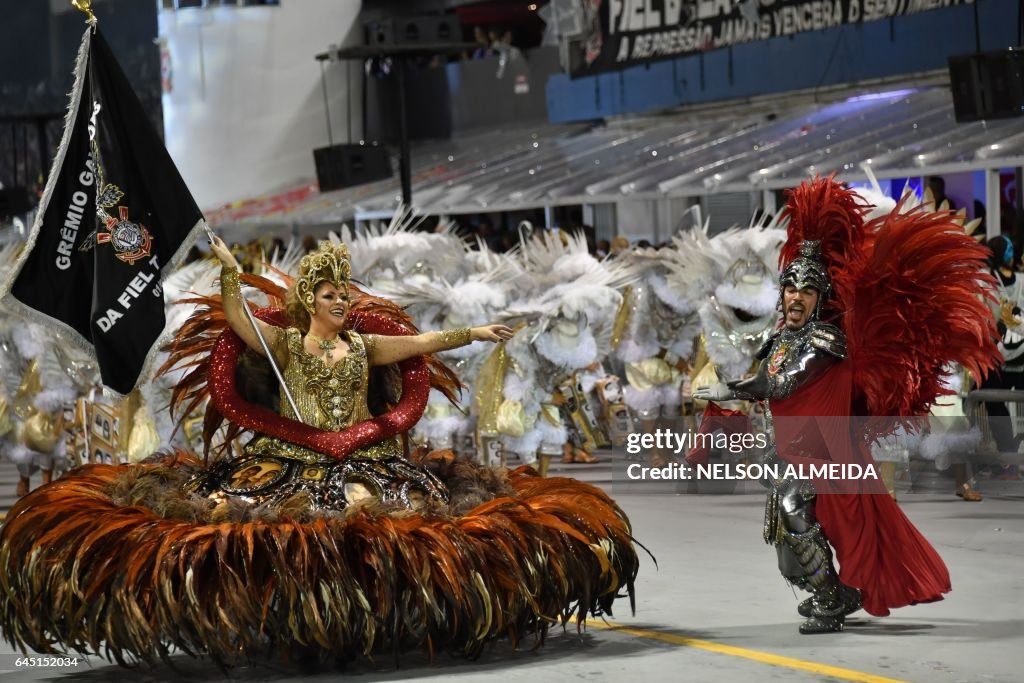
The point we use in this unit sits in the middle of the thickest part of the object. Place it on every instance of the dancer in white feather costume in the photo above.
(473, 300)
(568, 313)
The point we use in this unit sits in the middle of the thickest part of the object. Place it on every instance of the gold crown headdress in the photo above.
(329, 263)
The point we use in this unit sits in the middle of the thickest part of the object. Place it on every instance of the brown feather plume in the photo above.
(115, 560)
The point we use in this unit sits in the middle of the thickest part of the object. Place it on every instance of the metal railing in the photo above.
(977, 415)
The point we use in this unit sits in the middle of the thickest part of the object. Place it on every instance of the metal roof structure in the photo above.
(768, 145)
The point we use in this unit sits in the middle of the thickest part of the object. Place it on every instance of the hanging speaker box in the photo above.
(341, 166)
(988, 85)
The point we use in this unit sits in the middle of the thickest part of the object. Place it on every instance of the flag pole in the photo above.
(263, 342)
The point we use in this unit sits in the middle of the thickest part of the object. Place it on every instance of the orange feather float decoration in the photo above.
(98, 563)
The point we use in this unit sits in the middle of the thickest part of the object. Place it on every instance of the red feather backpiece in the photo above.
(920, 303)
(909, 290)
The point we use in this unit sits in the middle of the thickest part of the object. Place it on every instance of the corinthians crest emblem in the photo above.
(130, 240)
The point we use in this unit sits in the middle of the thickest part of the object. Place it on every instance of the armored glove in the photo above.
(714, 392)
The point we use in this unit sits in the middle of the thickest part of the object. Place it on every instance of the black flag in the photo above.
(115, 216)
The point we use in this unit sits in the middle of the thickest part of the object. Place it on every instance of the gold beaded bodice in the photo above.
(329, 397)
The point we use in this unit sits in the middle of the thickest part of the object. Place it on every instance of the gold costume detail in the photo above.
(650, 372)
(511, 419)
(268, 446)
(490, 387)
(230, 284)
(329, 397)
(622, 317)
(6, 421)
(330, 394)
(370, 344)
(1006, 315)
(41, 432)
(325, 345)
(453, 339)
(30, 385)
(329, 263)
(231, 290)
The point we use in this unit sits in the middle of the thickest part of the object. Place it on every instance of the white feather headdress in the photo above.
(397, 250)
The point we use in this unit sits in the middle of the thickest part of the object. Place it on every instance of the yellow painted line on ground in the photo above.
(754, 655)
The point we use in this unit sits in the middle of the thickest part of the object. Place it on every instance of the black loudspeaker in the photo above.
(429, 106)
(348, 165)
(988, 85)
(413, 30)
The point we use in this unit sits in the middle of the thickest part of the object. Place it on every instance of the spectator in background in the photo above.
(619, 245)
(1008, 220)
(505, 46)
(1010, 324)
(277, 248)
(483, 46)
(979, 212)
(937, 184)
(493, 40)
(309, 243)
(1018, 231)
(603, 248)
(485, 231)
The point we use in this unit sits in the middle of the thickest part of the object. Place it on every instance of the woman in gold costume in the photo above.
(244, 556)
(326, 371)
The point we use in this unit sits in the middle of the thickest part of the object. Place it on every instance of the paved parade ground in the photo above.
(715, 609)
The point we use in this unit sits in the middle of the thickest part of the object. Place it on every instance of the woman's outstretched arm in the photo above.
(384, 350)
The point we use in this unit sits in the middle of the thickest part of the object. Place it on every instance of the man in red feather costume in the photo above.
(871, 312)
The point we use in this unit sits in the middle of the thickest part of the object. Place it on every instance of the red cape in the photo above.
(878, 549)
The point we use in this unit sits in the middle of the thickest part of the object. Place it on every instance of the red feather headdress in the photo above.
(826, 211)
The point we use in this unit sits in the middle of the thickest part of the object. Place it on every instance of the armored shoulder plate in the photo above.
(766, 347)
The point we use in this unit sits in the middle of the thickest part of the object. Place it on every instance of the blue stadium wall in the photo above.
(845, 54)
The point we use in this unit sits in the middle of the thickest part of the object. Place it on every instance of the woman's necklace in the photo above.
(327, 346)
